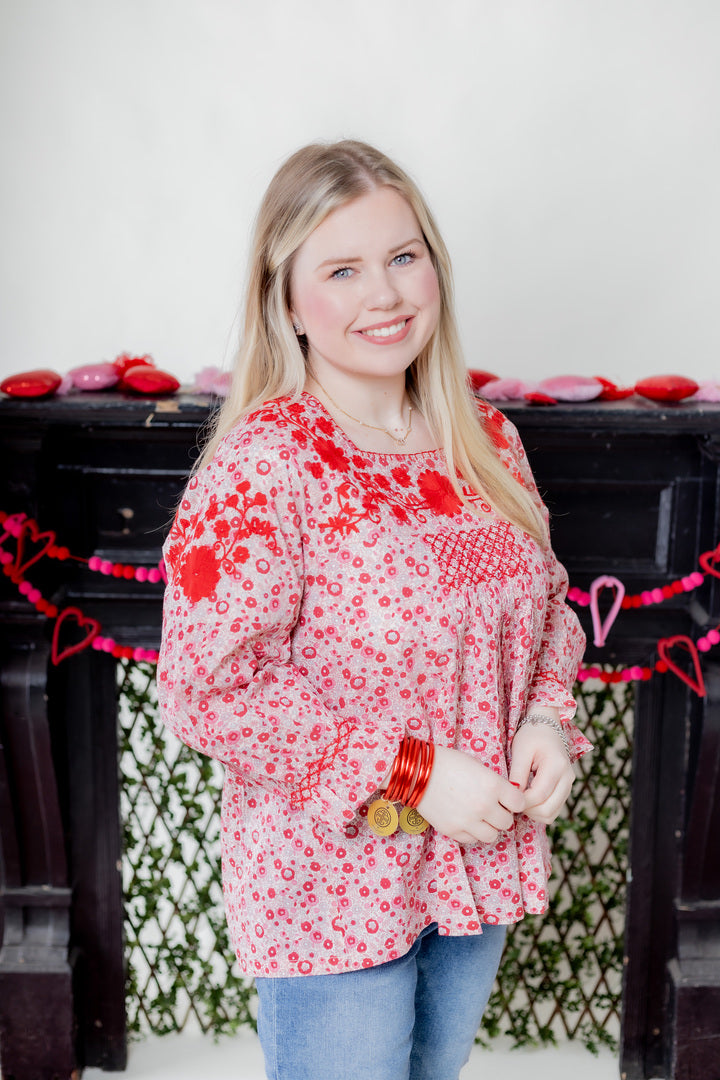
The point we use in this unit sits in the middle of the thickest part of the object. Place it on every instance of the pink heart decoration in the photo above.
(82, 621)
(681, 641)
(602, 629)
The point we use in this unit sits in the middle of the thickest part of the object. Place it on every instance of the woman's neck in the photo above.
(376, 415)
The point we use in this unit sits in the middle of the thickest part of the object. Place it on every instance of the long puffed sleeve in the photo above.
(227, 682)
(563, 640)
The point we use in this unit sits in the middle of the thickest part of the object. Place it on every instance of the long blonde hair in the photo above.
(271, 360)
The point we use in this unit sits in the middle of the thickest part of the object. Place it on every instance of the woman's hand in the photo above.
(466, 800)
(541, 767)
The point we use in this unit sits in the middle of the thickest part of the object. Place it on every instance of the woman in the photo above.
(363, 611)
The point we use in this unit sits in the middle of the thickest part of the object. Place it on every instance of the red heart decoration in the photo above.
(38, 383)
(148, 380)
(535, 397)
(478, 378)
(48, 539)
(125, 361)
(665, 644)
(82, 621)
(666, 387)
(708, 560)
(613, 392)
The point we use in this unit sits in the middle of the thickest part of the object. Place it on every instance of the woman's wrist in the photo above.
(541, 719)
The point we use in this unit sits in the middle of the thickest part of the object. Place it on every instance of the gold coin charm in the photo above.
(382, 817)
(412, 822)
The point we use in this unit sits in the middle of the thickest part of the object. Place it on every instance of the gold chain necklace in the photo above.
(399, 439)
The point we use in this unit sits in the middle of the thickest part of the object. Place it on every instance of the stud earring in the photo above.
(297, 328)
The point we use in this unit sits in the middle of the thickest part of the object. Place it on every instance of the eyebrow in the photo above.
(358, 258)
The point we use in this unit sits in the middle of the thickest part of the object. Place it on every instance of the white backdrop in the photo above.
(570, 150)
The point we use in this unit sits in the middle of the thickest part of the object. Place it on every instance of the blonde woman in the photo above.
(364, 621)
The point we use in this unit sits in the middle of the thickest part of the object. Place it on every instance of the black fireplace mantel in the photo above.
(634, 492)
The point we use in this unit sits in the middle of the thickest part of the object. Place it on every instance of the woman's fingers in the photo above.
(465, 799)
(547, 809)
(540, 762)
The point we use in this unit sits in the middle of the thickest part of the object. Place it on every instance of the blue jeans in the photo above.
(414, 1018)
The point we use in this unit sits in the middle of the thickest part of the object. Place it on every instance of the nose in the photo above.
(381, 291)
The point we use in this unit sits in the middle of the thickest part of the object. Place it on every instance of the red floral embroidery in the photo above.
(494, 421)
(334, 455)
(198, 573)
(438, 493)
(197, 567)
(325, 425)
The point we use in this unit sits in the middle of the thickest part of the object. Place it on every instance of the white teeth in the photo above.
(386, 331)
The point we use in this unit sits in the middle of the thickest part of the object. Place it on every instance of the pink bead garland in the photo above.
(648, 596)
(14, 524)
(138, 573)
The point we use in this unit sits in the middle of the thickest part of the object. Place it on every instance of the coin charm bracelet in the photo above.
(407, 784)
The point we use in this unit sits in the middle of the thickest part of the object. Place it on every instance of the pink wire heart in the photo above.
(602, 629)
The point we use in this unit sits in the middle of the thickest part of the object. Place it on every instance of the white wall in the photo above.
(570, 149)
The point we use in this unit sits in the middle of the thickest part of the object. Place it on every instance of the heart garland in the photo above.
(681, 641)
(22, 528)
(93, 626)
(602, 629)
(47, 539)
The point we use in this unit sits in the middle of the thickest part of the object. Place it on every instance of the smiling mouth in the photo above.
(386, 331)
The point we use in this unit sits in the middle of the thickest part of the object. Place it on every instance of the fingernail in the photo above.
(514, 783)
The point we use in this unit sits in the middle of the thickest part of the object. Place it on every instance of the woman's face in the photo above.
(364, 289)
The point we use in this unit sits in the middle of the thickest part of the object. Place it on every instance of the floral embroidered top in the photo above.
(321, 602)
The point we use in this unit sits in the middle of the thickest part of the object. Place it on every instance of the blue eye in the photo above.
(405, 259)
(342, 273)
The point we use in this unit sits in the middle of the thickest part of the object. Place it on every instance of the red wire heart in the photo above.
(49, 538)
(70, 650)
(708, 560)
(665, 644)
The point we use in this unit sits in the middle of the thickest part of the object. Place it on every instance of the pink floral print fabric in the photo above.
(322, 601)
